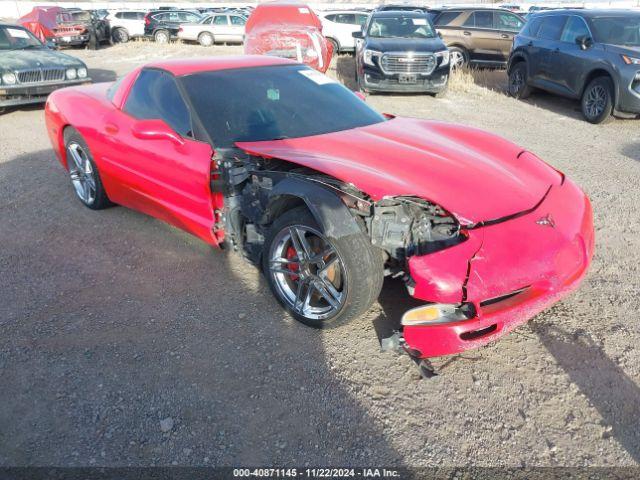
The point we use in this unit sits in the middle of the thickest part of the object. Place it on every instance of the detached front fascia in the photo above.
(510, 271)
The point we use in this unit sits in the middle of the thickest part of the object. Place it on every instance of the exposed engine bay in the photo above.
(400, 227)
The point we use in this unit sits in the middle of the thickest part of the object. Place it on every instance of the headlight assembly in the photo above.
(71, 74)
(630, 60)
(9, 79)
(82, 72)
(369, 55)
(444, 55)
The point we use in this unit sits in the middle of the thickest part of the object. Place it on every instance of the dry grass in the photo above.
(478, 82)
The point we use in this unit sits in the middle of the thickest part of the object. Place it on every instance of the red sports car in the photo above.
(276, 160)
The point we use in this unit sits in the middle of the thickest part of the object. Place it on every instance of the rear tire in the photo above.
(206, 39)
(83, 171)
(597, 100)
(518, 87)
(347, 270)
(161, 36)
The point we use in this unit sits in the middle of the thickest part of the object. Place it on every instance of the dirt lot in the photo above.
(113, 323)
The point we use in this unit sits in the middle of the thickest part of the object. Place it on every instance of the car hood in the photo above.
(474, 175)
(405, 44)
(623, 50)
(30, 59)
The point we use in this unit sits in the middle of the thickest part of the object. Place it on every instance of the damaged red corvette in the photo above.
(293, 170)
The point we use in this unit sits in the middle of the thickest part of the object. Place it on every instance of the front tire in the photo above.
(597, 100)
(83, 172)
(205, 39)
(322, 282)
(518, 87)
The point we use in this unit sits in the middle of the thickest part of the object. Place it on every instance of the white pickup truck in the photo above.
(216, 28)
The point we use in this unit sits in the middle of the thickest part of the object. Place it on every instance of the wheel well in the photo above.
(458, 46)
(516, 61)
(335, 40)
(205, 33)
(599, 73)
(282, 204)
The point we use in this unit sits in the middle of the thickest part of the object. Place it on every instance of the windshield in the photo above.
(617, 30)
(273, 102)
(401, 27)
(73, 17)
(17, 38)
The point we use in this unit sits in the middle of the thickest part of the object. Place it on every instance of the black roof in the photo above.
(395, 13)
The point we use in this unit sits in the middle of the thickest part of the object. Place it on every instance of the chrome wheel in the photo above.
(457, 59)
(206, 40)
(81, 173)
(596, 101)
(307, 272)
(162, 37)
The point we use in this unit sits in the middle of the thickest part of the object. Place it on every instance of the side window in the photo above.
(119, 15)
(155, 96)
(552, 27)
(532, 27)
(508, 21)
(331, 18)
(220, 20)
(236, 20)
(140, 15)
(480, 20)
(574, 28)
(361, 19)
(347, 18)
(172, 17)
(445, 18)
(191, 17)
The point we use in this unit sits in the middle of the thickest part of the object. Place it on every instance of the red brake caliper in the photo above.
(294, 267)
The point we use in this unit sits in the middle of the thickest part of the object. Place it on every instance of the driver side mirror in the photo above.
(584, 42)
(357, 35)
(439, 33)
(156, 130)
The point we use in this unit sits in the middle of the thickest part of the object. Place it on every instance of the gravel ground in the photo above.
(128, 342)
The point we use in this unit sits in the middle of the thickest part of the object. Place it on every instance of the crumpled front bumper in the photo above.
(510, 271)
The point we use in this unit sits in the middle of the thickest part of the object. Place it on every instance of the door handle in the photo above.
(504, 35)
(466, 33)
(111, 128)
(530, 44)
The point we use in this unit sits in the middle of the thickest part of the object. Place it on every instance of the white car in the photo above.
(339, 25)
(126, 24)
(216, 28)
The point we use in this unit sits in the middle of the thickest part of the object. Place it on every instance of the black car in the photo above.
(400, 51)
(163, 25)
(591, 55)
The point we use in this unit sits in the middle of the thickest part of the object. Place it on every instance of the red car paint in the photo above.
(289, 30)
(529, 229)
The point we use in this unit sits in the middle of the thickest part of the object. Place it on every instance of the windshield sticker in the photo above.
(316, 77)
(419, 21)
(273, 94)
(303, 10)
(17, 33)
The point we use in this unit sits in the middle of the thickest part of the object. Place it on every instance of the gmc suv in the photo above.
(591, 55)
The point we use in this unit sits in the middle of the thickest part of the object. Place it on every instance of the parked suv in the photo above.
(338, 27)
(126, 24)
(163, 25)
(401, 52)
(592, 55)
(480, 36)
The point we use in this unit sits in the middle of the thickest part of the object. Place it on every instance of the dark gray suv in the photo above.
(591, 55)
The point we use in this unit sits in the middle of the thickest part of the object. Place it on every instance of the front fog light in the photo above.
(9, 79)
(437, 313)
(71, 74)
(82, 72)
